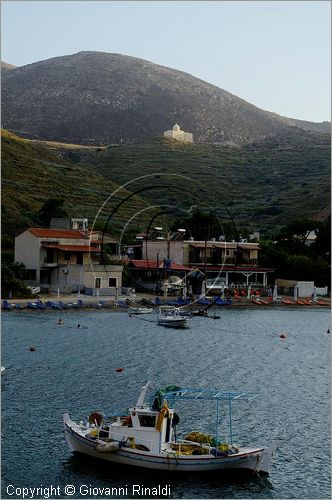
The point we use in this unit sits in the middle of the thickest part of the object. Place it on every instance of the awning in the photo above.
(74, 248)
(153, 264)
(233, 268)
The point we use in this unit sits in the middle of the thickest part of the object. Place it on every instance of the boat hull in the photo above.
(139, 310)
(173, 324)
(248, 459)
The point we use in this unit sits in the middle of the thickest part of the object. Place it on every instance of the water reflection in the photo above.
(99, 474)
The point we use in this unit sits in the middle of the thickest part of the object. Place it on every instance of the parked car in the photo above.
(34, 289)
(173, 284)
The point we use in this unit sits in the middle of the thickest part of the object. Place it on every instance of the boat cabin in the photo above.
(144, 428)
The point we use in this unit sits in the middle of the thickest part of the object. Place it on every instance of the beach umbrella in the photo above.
(295, 292)
(314, 295)
(248, 292)
(275, 293)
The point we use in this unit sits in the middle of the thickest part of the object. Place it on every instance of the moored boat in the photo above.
(146, 437)
(140, 310)
(171, 317)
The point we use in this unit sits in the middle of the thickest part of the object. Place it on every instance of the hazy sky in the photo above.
(274, 54)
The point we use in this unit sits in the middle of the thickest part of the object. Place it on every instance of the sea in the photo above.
(283, 354)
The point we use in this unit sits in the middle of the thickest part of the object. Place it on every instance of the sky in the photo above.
(274, 54)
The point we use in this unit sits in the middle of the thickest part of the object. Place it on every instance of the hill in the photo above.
(32, 173)
(100, 98)
(263, 185)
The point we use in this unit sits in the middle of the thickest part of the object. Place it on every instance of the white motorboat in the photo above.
(145, 436)
(172, 317)
(3, 369)
(140, 310)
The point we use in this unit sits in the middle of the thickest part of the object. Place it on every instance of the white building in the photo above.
(178, 134)
(68, 260)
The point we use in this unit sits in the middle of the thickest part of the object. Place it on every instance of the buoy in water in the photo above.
(283, 335)
(32, 348)
(119, 370)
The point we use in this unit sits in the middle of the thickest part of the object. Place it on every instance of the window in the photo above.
(147, 420)
(97, 282)
(112, 282)
(79, 258)
(50, 255)
(66, 256)
(30, 274)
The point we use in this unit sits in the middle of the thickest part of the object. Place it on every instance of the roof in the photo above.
(42, 232)
(95, 236)
(74, 248)
(214, 394)
(153, 264)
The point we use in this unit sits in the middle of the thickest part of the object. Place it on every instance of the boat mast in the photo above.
(141, 397)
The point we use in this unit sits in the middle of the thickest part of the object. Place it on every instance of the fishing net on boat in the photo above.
(198, 437)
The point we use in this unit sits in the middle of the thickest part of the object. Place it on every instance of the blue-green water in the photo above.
(74, 370)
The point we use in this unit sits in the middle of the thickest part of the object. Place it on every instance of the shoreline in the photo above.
(107, 303)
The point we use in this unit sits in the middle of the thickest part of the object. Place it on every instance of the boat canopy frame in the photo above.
(219, 396)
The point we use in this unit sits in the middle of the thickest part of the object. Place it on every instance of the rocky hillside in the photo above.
(6, 66)
(263, 185)
(102, 98)
(32, 173)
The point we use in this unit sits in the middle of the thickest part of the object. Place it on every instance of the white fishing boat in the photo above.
(146, 435)
(140, 310)
(171, 316)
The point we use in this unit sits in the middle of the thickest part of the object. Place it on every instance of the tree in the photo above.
(297, 230)
(204, 226)
(53, 207)
(322, 244)
(12, 275)
(293, 259)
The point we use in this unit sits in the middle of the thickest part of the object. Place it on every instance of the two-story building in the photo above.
(235, 262)
(69, 260)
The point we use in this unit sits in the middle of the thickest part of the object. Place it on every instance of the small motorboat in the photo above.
(3, 369)
(200, 312)
(171, 316)
(146, 435)
(140, 310)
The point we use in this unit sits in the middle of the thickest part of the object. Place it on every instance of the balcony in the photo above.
(230, 261)
(49, 264)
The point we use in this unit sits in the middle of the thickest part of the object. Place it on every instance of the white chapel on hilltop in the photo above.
(178, 134)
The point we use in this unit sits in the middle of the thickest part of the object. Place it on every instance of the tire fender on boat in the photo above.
(107, 447)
